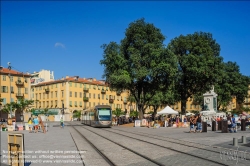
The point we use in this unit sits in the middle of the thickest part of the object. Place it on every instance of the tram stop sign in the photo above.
(16, 149)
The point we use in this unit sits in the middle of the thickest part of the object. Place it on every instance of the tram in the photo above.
(98, 116)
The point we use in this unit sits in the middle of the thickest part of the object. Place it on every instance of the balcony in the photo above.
(86, 89)
(125, 102)
(75, 105)
(12, 91)
(86, 99)
(19, 83)
(118, 93)
(46, 90)
(103, 91)
(111, 100)
(19, 94)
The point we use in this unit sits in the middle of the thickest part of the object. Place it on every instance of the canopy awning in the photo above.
(168, 110)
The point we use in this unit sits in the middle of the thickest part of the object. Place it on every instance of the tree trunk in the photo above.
(140, 109)
(183, 106)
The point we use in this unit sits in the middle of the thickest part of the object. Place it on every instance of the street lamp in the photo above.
(9, 67)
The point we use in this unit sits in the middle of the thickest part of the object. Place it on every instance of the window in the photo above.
(80, 94)
(89, 104)
(11, 78)
(75, 103)
(75, 94)
(26, 90)
(56, 103)
(94, 103)
(11, 89)
(62, 93)
(51, 95)
(43, 95)
(62, 83)
(107, 97)
(19, 90)
(80, 103)
(56, 93)
(4, 89)
(36, 97)
(103, 96)
(4, 78)
(84, 95)
(47, 104)
(75, 84)
(56, 85)
(25, 80)
(47, 95)
(80, 85)
(52, 86)
(40, 96)
(44, 104)
(51, 103)
(70, 94)
(70, 84)
(70, 103)
(89, 86)
(98, 96)
(94, 95)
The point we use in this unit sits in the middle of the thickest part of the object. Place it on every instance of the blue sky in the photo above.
(65, 37)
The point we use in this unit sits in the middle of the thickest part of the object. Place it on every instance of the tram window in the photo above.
(104, 114)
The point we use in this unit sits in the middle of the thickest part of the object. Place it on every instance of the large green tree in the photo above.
(199, 62)
(140, 63)
(231, 83)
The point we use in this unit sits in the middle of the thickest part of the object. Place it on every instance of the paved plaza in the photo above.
(66, 147)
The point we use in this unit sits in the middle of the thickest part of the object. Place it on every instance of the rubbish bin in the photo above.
(214, 126)
(204, 126)
(243, 125)
(219, 125)
(224, 126)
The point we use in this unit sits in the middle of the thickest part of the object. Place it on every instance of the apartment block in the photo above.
(14, 85)
(76, 93)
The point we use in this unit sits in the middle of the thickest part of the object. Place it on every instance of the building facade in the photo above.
(14, 85)
(74, 93)
(42, 76)
(247, 99)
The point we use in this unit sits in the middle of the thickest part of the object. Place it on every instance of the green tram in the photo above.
(98, 116)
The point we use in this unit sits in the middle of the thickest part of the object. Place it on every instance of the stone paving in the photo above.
(57, 141)
(56, 147)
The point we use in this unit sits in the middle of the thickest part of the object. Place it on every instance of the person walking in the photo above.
(36, 123)
(61, 122)
(30, 123)
(234, 124)
(192, 122)
(41, 124)
(199, 127)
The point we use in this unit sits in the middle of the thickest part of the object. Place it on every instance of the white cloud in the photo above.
(59, 45)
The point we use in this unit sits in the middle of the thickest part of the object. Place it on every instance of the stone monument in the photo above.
(210, 101)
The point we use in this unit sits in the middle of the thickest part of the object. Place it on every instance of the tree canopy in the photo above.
(140, 63)
(199, 62)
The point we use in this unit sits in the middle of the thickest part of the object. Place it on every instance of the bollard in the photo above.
(235, 141)
(214, 126)
(219, 125)
(244, 139)
(204, 126)
(224, 126)
(243, 125)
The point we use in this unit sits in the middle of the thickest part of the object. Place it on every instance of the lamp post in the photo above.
(9, 67)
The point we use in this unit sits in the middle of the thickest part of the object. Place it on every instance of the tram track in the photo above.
(169, 148)
(95, 148)
(181, 142)
(106, 158)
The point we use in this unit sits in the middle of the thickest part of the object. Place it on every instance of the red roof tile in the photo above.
(13, 72)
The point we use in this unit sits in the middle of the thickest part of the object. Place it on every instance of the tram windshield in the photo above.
(104, 114)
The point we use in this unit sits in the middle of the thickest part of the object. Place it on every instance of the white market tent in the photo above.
(168, 110)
